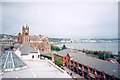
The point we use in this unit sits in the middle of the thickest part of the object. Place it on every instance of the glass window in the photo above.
(32, 56)
(38, 56)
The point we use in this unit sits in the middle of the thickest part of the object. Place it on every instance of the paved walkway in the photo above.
(74, 75)
(37, 69)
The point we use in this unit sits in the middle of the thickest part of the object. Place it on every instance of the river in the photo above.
(106, 46)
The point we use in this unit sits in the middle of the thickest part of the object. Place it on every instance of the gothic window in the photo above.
(26, 33)
(42, 49)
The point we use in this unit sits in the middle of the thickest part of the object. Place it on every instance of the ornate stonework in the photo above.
(38, 42)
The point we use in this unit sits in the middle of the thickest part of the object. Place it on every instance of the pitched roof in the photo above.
(100, 65)
(64, 52)
(25, 50)
(72, 54)
(17, 45)
(35, 38)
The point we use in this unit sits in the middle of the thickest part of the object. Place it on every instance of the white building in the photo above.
(27, 53)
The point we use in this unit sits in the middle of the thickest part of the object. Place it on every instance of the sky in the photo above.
(61, 19)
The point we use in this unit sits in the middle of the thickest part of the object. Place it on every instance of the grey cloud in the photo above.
(62, 19)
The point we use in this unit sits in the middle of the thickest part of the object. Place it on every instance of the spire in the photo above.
(25, 25)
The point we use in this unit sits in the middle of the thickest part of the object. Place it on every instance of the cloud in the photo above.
(1, 18)
(62, 19)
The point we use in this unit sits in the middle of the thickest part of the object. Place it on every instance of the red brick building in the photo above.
(89, 67)
(37, 42)
(62, 55)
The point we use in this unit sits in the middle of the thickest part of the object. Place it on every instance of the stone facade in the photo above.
(37, 42)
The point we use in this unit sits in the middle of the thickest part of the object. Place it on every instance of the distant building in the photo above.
(37, 42)
(6, 43)
(0, 49)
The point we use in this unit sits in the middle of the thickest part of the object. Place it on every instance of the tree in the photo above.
(64, 47)
(104, 55)
(118, 59)
(58, 62)
(55, 48)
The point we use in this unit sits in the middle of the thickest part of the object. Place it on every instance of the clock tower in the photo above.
(25, 34)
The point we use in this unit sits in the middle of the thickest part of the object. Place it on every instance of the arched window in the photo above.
(42, 49)
(32, 56)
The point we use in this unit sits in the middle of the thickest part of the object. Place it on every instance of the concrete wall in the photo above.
(30, 56)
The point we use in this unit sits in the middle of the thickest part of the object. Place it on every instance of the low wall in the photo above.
(56, 66)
